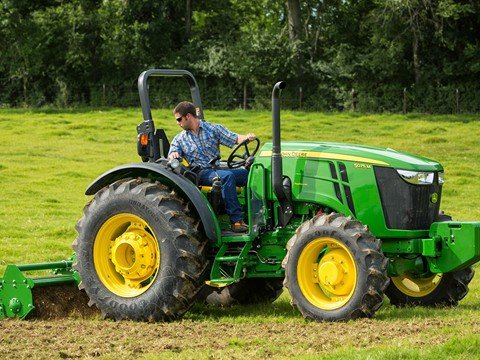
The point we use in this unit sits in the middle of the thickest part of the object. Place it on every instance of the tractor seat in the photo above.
(207, 188)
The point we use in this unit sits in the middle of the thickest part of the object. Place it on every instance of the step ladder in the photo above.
(229, 262)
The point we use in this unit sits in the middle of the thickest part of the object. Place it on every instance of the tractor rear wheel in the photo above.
(335, 269)
(245, 292)
(436, 290)
(140, 257)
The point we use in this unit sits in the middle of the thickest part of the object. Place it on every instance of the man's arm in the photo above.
(229, 138)
(175, 149)
(249, 136)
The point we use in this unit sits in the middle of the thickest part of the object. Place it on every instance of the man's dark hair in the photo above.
(184, 108)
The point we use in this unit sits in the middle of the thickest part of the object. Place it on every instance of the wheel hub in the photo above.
(126, 255)
(330, 273)
(133, 256)
(327, 273)
(333, 273)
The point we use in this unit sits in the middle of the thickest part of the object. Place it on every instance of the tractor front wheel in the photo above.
(435, 290)
(334, 269)
(140, 257)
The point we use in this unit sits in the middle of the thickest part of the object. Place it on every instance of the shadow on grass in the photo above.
(280, 309)
(389, 312)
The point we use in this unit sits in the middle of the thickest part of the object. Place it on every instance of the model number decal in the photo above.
(362, 166)
(294, 154)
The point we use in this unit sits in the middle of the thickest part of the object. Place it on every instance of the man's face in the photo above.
(183, 121)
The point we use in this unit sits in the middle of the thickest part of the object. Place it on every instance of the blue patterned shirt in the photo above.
(201, 148)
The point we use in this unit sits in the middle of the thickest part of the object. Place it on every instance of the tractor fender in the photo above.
(158, 172)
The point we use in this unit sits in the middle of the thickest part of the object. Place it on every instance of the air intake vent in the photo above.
(406, 206)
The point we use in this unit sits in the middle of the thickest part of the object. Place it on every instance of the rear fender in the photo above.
(157, 172)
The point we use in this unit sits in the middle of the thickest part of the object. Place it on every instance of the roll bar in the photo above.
(143, 89)
(158, 144)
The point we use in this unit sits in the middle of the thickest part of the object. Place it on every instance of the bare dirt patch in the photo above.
(71, 338)
(53, 302)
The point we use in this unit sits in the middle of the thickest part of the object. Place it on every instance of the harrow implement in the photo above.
(17, 288)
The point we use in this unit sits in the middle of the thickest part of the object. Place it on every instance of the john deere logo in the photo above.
(434, 198)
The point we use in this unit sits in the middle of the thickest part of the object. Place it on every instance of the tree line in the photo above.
(367, 55)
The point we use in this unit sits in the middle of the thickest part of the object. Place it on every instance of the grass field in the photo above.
(49, 157)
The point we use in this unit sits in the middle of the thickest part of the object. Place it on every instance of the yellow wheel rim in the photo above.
(326, 273)
(416, 287)
(126, 255)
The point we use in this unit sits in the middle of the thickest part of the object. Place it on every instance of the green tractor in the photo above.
(338, 225)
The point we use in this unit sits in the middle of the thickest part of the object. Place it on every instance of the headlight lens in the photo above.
(174, 163)
(441, 177)
(417, 177)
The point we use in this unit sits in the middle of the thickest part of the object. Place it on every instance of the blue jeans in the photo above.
(231, 178)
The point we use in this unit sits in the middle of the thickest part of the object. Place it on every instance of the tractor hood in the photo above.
(355, 153)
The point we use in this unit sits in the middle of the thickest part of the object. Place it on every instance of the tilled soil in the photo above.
(53, 302)
(64, 327)
(70, 338)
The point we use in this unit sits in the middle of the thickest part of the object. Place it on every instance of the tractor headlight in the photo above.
(441, 177)
(174, 163)
(417, 177)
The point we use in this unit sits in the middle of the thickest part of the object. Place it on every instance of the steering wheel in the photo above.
(232, 163)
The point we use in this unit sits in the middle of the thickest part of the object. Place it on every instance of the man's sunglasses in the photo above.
(179, 119)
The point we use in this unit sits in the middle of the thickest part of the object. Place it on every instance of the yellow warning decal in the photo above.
(325, 155)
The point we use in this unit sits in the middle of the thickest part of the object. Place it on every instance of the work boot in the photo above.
(239, 227)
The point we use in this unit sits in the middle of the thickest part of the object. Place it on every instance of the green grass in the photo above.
(49, 157)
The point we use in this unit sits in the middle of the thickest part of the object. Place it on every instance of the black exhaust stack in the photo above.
(282, 186)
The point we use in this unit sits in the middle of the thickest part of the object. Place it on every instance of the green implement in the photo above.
(16, 297)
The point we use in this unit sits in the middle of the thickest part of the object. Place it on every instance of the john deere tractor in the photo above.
(338, 225)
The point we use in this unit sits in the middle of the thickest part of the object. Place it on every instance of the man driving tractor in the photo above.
(199, 143)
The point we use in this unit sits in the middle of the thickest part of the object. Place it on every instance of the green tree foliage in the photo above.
(379, 55)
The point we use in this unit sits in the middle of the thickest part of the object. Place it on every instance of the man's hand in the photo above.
(249, 137)
(173, 155)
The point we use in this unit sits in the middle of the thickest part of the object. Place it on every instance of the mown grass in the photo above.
(49, 157)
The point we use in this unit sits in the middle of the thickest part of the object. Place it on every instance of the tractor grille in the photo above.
(406, 206)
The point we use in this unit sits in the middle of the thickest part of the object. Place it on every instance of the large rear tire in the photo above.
(140, 257)
(334, 269)
(245, 292)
